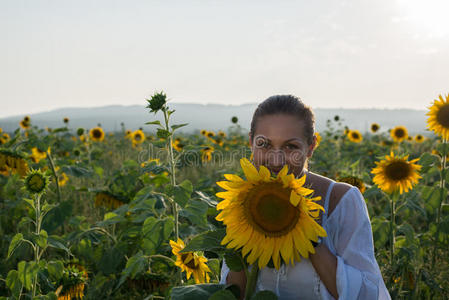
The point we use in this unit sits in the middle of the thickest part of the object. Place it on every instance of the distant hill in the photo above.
(213, 117)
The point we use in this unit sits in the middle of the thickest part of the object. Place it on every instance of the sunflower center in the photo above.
(398, 170)
(355, 135)
(268, 209)
(443, 116)
(97, 134)
(399, 133)
(191, 263)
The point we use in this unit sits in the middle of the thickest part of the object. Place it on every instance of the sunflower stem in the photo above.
(393, 200)
(442, 198)
(251, 282)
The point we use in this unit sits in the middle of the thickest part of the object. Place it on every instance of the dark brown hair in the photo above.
(289, 105)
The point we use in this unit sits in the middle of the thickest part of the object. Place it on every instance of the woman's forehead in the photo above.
(280, 127)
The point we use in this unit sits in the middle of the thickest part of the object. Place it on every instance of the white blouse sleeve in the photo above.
(349, 228)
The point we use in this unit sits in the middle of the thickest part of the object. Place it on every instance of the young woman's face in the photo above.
(278, 140)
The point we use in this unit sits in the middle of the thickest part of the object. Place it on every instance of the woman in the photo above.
(344, 265)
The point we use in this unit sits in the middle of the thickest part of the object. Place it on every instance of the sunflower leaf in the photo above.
(222, 295)
(207, 241)
(264, 295)
(195, 292)
(153, 123)
(16, 241)
(176, 126)
(162, 133)
(233, 261)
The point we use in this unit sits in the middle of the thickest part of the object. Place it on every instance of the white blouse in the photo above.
(350, 239)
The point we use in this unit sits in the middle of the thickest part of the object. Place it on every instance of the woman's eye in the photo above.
(292, 146)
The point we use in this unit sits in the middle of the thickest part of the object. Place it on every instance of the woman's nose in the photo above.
(276, 158)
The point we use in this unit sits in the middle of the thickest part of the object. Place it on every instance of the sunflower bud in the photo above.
(157, 102)
(36, 182)
(234, 120)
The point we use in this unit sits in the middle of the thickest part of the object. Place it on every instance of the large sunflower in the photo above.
(396, 173)
(96, 134)
(399, 133)
(191, 263)
(355, 136)
(438, 120)
(268, 217)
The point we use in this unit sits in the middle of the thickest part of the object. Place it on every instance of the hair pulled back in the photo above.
(289, 105)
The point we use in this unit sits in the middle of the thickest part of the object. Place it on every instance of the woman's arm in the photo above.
(239, 279)
(325, 264)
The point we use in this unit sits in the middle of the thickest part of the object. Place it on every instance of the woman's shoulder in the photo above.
(339, 189)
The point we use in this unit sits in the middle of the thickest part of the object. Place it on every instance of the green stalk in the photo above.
(172, 170)
(393, 200)
(53, 170)
(37, 210)
(442, 197)
(251, 282)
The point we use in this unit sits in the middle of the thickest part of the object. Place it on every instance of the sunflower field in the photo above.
(88, 214)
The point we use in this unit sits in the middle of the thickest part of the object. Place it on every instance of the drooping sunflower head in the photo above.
(66, 120)
(203, 132)
(191, 262)
(36, 182)
(374, 127)
(438, 120)
(96, 134)
(210, 134)
(269, 218)
(138, 137)
(206, 153)
(396, 173)
(399, 133)
(419, 138)
(355, 136)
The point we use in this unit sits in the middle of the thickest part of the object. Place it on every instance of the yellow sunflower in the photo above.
(178, 145)
(221, 133)
(355, 136)
(4, 138)
(191, 263)
(138, 137)
(438, 120)
(37, 154)
(96, 134)
(355, 181)
(419, 138)
(318, 139)
(207, 153)
(269, 218)
(396, 173)
(374, 127)
(24, 124)
(62, 179)
(399, 133)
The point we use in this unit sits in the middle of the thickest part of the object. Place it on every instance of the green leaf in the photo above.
(13, 283)
(162, 133)
(207, 241)
(195, 292)
(381, 231)
(222, 295)
(55, 269)
(99, 171)
(182, 192)
(154, 123)
(443, 149)
(15, 242)
(176, 126)
(41, 239)
(196, 212)
(136, 264)
(264, 295)
(27, 272)
(76, 171)
(428, 160)
(156, 232)
(47, 207)
(234, 261)
(207, 199)
(57, 242)
(30, 202)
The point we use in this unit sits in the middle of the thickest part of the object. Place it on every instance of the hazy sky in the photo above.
(352, 54)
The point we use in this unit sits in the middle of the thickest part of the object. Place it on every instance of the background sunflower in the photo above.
(399, 133)
(438, 120)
